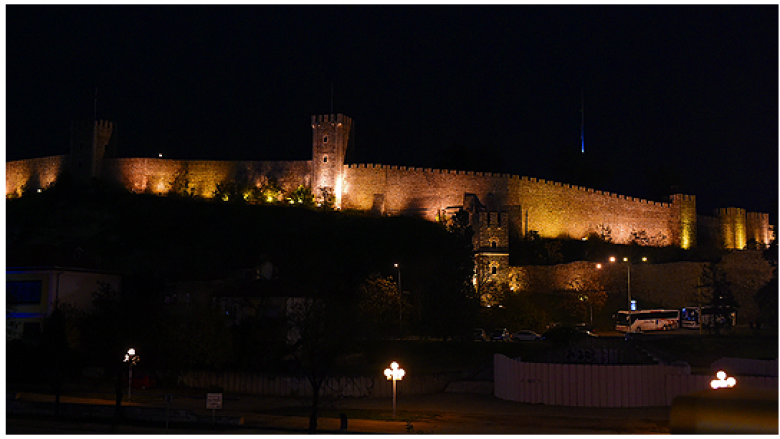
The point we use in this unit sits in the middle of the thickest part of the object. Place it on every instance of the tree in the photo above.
(230, 191)
(766, 297)
(270, 191)
(721, 297)
(180, 186)
(379, 301)
(450, 304)
(328, 198)
(302, 195)
(518, 309)
(318, 335)
(585, 294)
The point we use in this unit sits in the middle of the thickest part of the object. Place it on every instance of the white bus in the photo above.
(647, 320)
(692, 317)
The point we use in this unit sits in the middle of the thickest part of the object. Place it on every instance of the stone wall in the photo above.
(561, 210)
(550, 208)
(672, 285)
(419, 191)
(34, 174)
(157, 175)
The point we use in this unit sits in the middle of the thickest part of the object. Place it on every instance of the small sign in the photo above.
(214, 401)
(633, 305)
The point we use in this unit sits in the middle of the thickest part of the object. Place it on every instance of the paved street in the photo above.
(443, 413)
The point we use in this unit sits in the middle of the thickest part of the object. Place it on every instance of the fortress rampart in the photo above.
(156, 176)
(33, 174)
(551, 209)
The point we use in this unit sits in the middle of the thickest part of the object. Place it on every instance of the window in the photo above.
(493, 244)
(325, 159)
(325, 139)
(26, 292)
(493, 270)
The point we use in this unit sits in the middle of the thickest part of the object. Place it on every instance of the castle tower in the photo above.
(684, 222)
(491, 245)
(491, 241)
(757, 226)
(89, 142)
(330, 137)
(733, 234)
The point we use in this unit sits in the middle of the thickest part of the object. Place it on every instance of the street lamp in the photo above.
(586, 300)
(722, 382)
(131, 358)
(628, 263)
(396, 374)
(400, 304)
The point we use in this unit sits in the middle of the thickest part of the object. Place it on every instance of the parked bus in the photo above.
(692, 317)
(647, 320)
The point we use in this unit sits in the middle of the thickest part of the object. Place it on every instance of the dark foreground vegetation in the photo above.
(331, 302)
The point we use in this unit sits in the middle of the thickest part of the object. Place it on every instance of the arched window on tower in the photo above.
(494, 270)
(493, 244)
(325, 159)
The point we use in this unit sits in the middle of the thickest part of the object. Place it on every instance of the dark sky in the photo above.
(684, 95)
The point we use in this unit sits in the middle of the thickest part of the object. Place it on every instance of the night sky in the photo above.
(683, 95)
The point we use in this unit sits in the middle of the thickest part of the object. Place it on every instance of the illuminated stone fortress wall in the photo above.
(551, 209)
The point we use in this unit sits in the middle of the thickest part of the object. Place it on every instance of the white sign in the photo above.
(213, 401)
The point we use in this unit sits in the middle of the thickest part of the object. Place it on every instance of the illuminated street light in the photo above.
(722, 382)
(628, 262)
(396, 374)
(131, 358)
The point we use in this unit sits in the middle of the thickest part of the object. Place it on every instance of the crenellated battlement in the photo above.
(521, 203)
(519, 178)
(330, 119)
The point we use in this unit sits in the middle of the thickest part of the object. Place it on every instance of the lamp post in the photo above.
(590, 307)
(628, 281)
(394, 373)
(131, 358)
(400, 304)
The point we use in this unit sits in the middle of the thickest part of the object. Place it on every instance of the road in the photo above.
(442, 413)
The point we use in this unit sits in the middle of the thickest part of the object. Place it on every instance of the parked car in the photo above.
(480, 335)
(525, 335)
(499, 334)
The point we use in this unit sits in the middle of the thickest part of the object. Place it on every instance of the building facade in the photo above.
(33, 293)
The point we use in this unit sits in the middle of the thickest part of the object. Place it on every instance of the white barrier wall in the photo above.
(579, 385)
